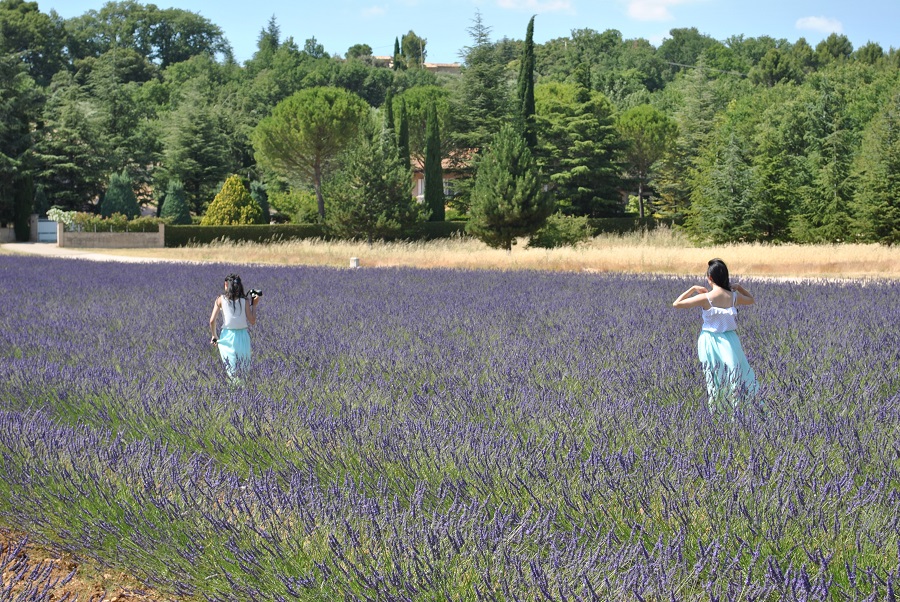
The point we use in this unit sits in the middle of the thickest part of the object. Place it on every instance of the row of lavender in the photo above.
(450, 435)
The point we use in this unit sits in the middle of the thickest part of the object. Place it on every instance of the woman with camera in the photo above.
(238, 315)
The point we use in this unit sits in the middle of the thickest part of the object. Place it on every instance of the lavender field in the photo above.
(450, 435)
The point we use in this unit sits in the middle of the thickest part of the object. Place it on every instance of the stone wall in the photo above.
(111, 240)
(7, 235)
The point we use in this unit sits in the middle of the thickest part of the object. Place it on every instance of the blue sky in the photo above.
(338, 24)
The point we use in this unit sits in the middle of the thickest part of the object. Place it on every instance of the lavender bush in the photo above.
(450, 435)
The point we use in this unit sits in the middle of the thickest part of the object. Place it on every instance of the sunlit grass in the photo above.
(662, 251)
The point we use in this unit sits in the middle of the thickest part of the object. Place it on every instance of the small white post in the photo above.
(354, 262)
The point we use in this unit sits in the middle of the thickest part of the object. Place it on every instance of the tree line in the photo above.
(743, 139)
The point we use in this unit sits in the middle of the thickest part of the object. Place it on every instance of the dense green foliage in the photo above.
(561, 231)
(369, 196)
(233, 206)
(305, 133)
(120, 197)
(578, 148)
(259, 194)
(647, 133)
(508, 200)
(525, 95)
(175, 208)
(434, 172)
(180, 236)
(739, 139)
(17, 97)
(24, 201)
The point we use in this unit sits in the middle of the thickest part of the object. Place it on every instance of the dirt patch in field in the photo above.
(63, 577)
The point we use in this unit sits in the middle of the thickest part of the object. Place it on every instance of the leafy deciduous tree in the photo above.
(646, 133)
(412, 48)
(38, 39)
(305, 133)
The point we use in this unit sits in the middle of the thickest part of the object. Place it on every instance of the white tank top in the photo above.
(234, 317)
(720, 319)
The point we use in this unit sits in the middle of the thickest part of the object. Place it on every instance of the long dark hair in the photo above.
(234, 289)
(718, 273)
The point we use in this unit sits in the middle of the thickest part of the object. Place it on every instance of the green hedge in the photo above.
(435, 230)
(179, 236)
(623, 225)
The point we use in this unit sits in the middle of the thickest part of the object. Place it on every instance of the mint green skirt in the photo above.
(234, 348)
(729, 378)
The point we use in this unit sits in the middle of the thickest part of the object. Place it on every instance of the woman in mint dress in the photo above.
(238, 314)
(729, 377)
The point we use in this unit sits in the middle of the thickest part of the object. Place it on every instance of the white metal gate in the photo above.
(46, 230)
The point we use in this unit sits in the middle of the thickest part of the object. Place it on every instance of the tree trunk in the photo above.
(641, 197)
(320, 200)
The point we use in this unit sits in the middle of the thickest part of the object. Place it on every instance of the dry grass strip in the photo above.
(663, 252)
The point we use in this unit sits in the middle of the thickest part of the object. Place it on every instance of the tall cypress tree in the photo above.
(434, 173)
(526, 88)
(403, 134)
(389, 112)
(398, 58)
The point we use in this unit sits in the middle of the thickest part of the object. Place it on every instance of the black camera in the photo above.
(254, 293)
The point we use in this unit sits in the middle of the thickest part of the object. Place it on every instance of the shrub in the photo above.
(259, 194)
(508, 199)
(369, 197)
(622, 225)
(175, 205)
(120, 198)
(300, 205)
(233, 206)
(59, 215)
(91, 222)
(560, 231)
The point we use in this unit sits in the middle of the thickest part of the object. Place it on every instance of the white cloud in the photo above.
(820, 24)
(654, 10)
(537, 6)
(374, 11)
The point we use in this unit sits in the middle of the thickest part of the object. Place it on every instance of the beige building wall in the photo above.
(111, 240)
